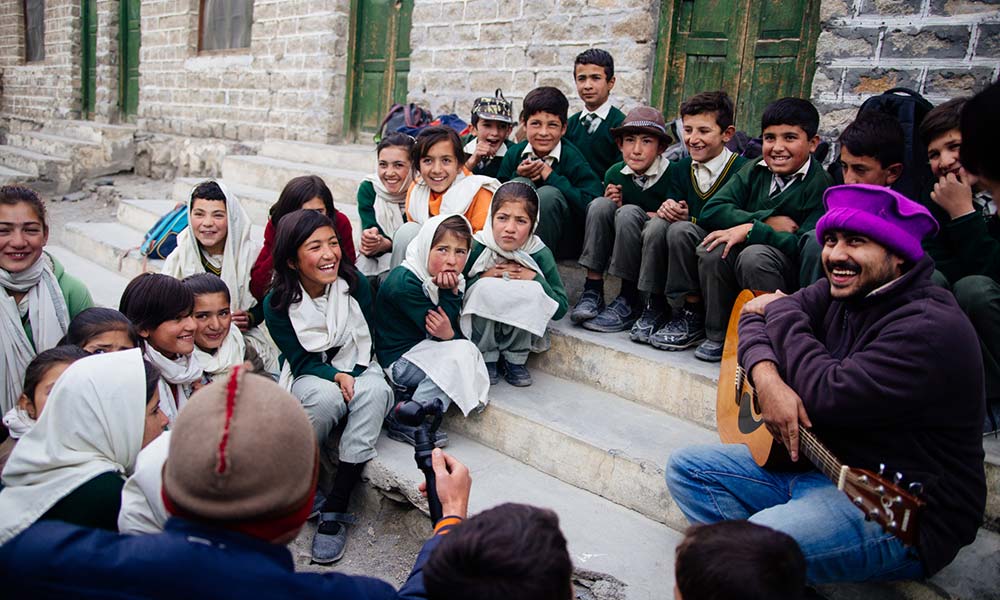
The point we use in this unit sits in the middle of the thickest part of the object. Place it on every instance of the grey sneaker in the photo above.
(649, 321)
(618, 316)
(491, 370)
(330, 540)
(517, 375)
(591, 303)
(709, 351)
(684, 330)
(405, 433)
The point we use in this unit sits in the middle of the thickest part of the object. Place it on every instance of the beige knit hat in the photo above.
(242, 455)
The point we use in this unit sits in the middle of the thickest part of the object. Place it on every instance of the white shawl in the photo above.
(182, 372)
(18, 422)
(456, 199)
(45, 307)
(142, 502)
(493, 253)
(333, 320)
(419, 251)
(389, 216)
(93, 423)
(229, 354)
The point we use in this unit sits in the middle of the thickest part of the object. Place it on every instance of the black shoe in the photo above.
(618, 316)
(709, 351)
(684, 330)
(491, 370)
(517, 375)
(407, 433)
(591, 303)
(649, 321)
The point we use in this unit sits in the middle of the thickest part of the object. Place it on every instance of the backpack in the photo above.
(161, 239)
(403, 117)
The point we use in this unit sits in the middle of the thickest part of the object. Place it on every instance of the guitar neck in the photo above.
(821, 457)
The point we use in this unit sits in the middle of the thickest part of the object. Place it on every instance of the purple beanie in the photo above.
(882, 214)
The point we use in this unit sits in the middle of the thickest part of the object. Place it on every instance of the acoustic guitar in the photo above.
(739, 421)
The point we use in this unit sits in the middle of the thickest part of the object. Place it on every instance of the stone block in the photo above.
(833, 118)
(989, 41)
(846, 43)
(957, 82)
(876, 81)
(940, 41)
(464, 34)
(533, 9)
(480, 10)
(891, 7)
(826, 81)
(962, 7)
(543, 56)
(496, 33)
(834, 9)
(634, 26)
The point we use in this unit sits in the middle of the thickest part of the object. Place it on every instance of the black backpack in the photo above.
(403, 116)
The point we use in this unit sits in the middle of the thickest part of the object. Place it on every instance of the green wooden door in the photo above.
(128, 72)
(756, 51)
(381, 61)
(88, 62)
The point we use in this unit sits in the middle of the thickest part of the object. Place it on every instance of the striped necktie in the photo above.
(591, 121)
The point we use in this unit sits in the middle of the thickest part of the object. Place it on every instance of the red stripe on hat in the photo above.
(230, 405)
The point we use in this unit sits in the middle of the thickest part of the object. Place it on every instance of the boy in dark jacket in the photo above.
(487, 145)
(590, 129)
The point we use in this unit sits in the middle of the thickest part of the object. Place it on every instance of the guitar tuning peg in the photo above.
(892, 525)
(897, 478)
(872, 515)
(858, 501)
(881, 468)
(916, 488)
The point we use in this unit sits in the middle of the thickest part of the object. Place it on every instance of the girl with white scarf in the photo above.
(217, 241)
(71, 465)
(38, 298)
(381, 202)
(218, 345)
(514, 285)
(418, 308)
(160, 307)
(318, 312)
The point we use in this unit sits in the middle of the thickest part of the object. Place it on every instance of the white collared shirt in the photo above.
(552, 158)
(780, 184)
(601, 112)
(708, 172)
(652, 174)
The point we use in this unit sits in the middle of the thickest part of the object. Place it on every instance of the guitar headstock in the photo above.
(884, 501)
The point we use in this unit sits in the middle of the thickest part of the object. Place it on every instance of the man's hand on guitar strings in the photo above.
(758, 304)
(780, 407)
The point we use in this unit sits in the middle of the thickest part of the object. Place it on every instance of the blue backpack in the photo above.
(161, 239)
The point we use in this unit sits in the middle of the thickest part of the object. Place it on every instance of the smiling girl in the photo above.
(514, 285)
(218, 345)
(381, 201)
(160, 307)
(319, 311)
(38, 298)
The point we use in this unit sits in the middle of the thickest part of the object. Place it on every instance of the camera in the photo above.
(427, 419)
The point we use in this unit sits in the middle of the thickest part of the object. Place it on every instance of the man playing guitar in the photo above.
(883, 366)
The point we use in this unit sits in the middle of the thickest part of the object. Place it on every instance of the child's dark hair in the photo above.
(545, 99)
(718, 103)
(152, 378)
(96, 320)
(293, 231)
(206, 283)
(15, 194)
(208, 190)
(516, 191)
(433, 135)
(980, 129)
(297, 192)
(739, 560)
(941, 119)
(395, 139)
(791, 111)
(596, 56)
(151, 299)
(454, 224)
(875, 134)
(64, 354)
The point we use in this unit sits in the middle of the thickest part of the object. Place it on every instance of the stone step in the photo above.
(54, 145)
(352, 157)
(274, 173)
(105, 285)
(9, 176)
(90, 131)
(111, 245)
(591, 439)
(33, 163)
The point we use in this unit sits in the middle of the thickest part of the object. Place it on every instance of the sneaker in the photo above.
(318, 501)
(686, 329)
(709, 351)
(406, 433)
(991, 426)
(491, 370)
(591, 303)
(649, 321)
(517, 375)
(330, 540)
(618, 316)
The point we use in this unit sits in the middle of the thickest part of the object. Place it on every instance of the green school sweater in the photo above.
(301, 361)
(74, 292)
(491, 168)
(599, 148)
(548, 278)
(95, 504)
(683, 186)
(974, 241)
(744, 200)
(649, 199)
(571, 175)
(402, 311)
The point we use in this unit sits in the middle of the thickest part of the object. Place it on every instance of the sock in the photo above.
(594, 284)
(695, 307)
(658, 302)
(348, 475)
(630, 291)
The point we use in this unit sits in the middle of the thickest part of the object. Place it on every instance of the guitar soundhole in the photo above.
(746, 422)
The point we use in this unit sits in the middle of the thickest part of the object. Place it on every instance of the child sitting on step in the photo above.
(486, 146)
(381, 202)
(514, 287)
(419, 341)
(218, 345)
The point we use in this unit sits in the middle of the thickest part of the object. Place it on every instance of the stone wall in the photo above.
(940, 48)
(106, 102)
(467, 48)
(288, 84)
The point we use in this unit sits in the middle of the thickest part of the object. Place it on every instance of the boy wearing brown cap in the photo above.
(622, 232)
(486, 146)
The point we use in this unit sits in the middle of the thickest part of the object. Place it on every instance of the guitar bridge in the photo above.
(741, 377)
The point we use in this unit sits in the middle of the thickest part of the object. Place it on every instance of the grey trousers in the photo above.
(409, 375)
(402, 238)
(756, 267)
(627, 239)
(495, 339)
(683, 239)
(325, 406)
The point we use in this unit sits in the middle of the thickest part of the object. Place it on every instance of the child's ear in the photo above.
(893, 173)
(813, 143)
(611, 83)
(27, 405)
(292, 265)
(728, 133)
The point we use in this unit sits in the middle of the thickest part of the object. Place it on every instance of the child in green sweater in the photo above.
(565, 182)
(514, 287)
(622, 227)
(590, 129)
(382, 202)
(319, 314)
(755, 220)
(486, 146)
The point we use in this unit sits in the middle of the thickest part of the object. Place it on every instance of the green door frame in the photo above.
(88, 58)
(129, 40)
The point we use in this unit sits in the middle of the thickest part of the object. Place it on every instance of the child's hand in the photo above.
(447, 280)
(782, 224)
(730, 237)
(495, 271)
(346, 383)
(614, 192)
(438, 325)
(954, 194)
(673, 211)
(531, 169)
(371, 241)
(521, 272)
(241, 319)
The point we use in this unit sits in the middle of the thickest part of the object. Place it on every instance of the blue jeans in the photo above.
(722, 482)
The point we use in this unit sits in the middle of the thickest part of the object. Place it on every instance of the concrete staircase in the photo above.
(589, 439)
(59, 156)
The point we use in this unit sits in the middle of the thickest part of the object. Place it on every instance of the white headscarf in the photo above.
(419, 251)
(93, 423)
(389, 210)
(456, 199)
(492, 252)
(142, 499)
(182, 372)
(46, 310)
(229, 354)
(18, 422)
